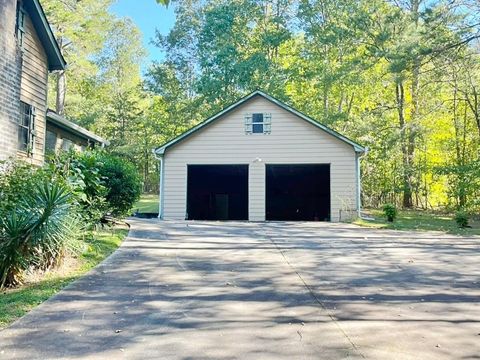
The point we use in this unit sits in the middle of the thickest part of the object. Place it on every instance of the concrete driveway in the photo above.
(199, 290)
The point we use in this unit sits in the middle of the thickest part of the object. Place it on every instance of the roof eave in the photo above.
(74, 128)
(55, 58)
(357, 147)
(161, 149)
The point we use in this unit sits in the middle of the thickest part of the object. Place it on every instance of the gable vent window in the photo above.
(258, 123)
(21, 20)
(25, 127)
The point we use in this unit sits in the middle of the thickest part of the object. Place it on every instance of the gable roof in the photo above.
(44, 31)
(161, 150)
(60, 121)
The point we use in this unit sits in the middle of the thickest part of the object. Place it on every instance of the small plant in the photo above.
(390, 212)
(461, 218)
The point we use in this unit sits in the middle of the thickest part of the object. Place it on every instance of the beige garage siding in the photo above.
(292, 141)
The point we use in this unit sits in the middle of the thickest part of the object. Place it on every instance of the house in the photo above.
(259, 159)
(29, 52)
(63, 134)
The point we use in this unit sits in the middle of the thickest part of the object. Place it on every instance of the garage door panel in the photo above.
(298, 192)
(217, 192)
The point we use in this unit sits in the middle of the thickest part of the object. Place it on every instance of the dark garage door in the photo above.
(217, 192)
(298, 192)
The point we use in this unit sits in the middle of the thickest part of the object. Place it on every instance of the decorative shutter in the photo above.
(267, 123)
(20, 25)
(248, 123)
(31, 131)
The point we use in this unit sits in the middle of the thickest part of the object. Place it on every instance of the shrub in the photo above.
(461, 218)
(81, 171)
(390, 212)
(123, 183)
(37, 232)
(16, 181)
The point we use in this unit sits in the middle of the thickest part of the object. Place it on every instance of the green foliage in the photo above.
(420, 220)
(81, 172)
(14, 303)
(42, 210)
(461, 218)
(81, 29)
(148, 203)
(401, 77)
(123, 183)
(16, 181)
(390, 212)
(37, 232)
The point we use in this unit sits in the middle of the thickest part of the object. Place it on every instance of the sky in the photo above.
(148, 16)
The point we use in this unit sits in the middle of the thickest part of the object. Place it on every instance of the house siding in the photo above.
(23, 77)
(10, 78)
(79, 143)
(34, 80)
(292, 141)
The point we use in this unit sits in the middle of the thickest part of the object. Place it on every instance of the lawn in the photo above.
(14, 303)
(148, 203)
(419, 220)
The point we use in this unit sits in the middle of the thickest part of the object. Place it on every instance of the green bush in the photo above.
(390, 212)
(81, 171)
(16, 181)
(461, 218)
(37, 232)
(123, 183)
(41, 208)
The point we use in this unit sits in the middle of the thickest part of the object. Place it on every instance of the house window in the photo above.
(67, 144)
(258, 123)
(20, 25)
(51, 141)
(25, 127)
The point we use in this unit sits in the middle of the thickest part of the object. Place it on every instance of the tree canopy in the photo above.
(399, 76)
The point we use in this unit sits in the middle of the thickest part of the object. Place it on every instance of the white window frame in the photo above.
(27, 111)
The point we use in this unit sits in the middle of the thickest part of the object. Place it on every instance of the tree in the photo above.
(80, 28)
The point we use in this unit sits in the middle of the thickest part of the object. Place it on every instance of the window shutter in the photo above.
(32, 120)
(20, 24)
(32, 129)
(21, 20)
(267, 123)
(248, 123)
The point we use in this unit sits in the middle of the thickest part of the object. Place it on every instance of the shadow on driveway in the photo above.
(210, 290)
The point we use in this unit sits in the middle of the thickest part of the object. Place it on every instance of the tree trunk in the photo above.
(461, 193)
(407, 185)
(60, 92)
(414, 114)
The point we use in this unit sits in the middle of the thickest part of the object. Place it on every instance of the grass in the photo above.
(148, 203)
(421, 221)
(14, 303)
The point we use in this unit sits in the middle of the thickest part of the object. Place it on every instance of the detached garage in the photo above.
(258, 160)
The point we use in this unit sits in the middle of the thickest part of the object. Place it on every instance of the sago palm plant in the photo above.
(37, 233)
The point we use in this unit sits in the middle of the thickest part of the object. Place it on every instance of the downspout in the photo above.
(160, 185)
(358, 156)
